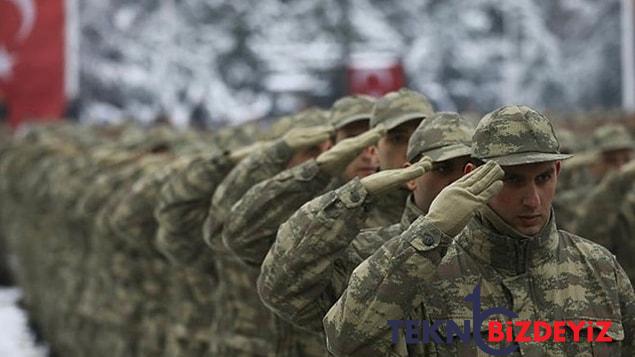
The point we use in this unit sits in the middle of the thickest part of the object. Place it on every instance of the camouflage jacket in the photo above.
(258, 214)
(315, 251)
(255, 168)
(607, 217)
(245, 326)
(553, 276)
(182, 207)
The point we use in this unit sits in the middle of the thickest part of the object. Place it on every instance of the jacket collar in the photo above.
(489, 239)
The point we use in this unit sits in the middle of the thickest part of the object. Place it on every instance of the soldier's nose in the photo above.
(531, 197)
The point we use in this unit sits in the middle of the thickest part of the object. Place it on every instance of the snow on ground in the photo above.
(16, 339)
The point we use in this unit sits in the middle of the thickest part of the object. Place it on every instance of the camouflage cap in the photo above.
(567, 140)
(306, 118)
(442, 136)
(396, 108)
(515, 135)
(612, 137)
(351, 109)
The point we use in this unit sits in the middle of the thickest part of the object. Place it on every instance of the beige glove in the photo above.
(302, 138)
(388, 180)
(454, 206)
(237, 155)
(628, 170)
(334, 161)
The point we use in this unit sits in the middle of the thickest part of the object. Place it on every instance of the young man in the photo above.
(501, 237)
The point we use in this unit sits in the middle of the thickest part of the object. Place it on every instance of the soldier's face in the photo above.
(525, 200)
(392, 147)
(366, 163)
(426, 187)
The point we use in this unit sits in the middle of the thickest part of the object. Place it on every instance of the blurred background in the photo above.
(210, 62)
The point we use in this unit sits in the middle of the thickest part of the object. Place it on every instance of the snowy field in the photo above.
(16, 340)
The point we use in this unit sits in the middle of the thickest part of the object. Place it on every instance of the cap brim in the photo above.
(526, 158)
(352, 120)
(393, 123)
(447, 152)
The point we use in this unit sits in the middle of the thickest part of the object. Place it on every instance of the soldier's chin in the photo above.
(529, 229)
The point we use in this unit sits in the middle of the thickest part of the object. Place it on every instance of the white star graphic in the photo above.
(6, 64)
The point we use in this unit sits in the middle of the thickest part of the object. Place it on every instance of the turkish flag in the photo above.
(375, 77)
(32, 59)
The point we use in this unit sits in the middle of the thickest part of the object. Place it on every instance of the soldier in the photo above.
(506, 241)
(183, 204)
(310, 262)
(612, 196)
(615, 147)
(243, 328)
(611, 148)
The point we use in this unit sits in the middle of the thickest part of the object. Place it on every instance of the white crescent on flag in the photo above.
(28, 13)
(6, 64)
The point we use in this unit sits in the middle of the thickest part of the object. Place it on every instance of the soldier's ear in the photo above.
(469, 167)
(558, 167)
(412, 184)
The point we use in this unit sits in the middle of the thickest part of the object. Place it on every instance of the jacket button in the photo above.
(428, 240)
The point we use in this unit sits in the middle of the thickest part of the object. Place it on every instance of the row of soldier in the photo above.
(178, 245)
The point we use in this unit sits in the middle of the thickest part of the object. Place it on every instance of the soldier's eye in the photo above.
(511, 179)
(397, 138)
(543, 178)
(441, 169)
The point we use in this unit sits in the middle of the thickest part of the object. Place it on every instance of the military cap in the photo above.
(612, 137)
(567, 140)
(396, 108)
(306, 118)
(351, 109)
(442, 136)
(516, 135)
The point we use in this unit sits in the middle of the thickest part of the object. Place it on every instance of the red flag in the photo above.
(374, 75)
(32, 59)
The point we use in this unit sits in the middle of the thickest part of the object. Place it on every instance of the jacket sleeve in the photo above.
(255, 168)
(295, 279)
(132, 217)
(255, 219)
(183, 204)
(386, 286)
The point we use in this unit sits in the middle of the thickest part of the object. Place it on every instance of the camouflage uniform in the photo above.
(613, 197)
(578, 181)
(316, 250)
(244, 327)
(552, 276)
(182, 207)
(607, 215)
(99, 304)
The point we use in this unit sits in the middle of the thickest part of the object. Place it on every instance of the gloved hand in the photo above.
(334, 161)
(628, 171)
(302, 138)
(452, 209)
(388, 180)
(237, 155)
